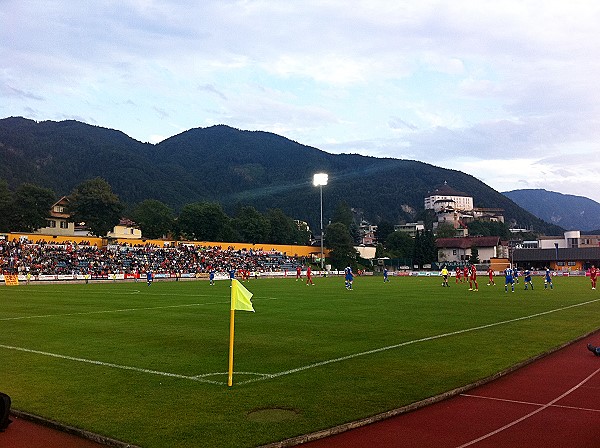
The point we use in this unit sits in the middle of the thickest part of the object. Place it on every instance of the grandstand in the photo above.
(83, 259)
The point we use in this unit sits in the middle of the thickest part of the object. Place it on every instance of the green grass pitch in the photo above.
(148, 365)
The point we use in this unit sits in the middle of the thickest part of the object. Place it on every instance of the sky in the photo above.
(506, 91)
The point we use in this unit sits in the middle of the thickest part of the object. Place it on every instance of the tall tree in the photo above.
(493, 228)
(355, 233)
(302, 233)
(5, 206)
(384, 228)
(203, 221)
(430, 251)
(251, 225)
(400, 245)
(418, 249)
(339, 241)
(154, 217)
(445, 230)
(343, 214)
(282, 228)
(31, 207)
(425, 249)
(94, 203)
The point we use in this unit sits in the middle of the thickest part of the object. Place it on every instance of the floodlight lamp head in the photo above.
(320, 179)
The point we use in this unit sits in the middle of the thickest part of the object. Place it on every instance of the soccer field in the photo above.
(148, 365)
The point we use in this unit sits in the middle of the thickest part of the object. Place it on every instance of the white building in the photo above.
(570, 240)
(459, 249)
(125, 229)
(447, 197)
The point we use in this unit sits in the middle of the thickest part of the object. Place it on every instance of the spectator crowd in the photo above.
(43, 258)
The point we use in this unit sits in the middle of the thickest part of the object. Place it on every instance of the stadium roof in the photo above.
(565, 254)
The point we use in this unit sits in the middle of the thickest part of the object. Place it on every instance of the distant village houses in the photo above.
(59, 220)
(60, 224)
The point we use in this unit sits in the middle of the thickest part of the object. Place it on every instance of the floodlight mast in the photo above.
(319, 180)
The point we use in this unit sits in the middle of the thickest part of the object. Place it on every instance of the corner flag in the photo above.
(240, 300)
(240, 297)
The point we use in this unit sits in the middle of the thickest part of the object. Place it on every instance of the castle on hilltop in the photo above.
(456, 208)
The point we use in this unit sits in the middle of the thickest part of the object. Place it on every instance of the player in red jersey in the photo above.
(458, 274)
(309, 276)
(491, 276)
(593, 275)
(473, 279)
(298, 273)
(466, 272)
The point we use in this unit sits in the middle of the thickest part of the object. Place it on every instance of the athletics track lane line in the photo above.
(531, 414)
(503, 411)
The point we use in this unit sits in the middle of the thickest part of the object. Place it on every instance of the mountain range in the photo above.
(567, 211)
(233, 167)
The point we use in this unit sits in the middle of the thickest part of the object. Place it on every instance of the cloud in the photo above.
(212, 89)
(458, 84)
(398, 123)
(9, 91)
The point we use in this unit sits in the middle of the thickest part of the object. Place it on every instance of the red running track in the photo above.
(22, 433)
(553, 402)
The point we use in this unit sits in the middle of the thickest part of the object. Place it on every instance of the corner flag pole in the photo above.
(231, 333)
(240, 300)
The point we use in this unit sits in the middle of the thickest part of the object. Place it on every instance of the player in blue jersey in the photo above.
(149, 277)
(508, 279)
(349, 277)
(231, 273)
(516, 275)
(211, 276)
(528, 282)
(385, 275)
(548, 279)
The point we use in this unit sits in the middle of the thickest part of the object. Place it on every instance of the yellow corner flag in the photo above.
(240, 300)
(240, 297)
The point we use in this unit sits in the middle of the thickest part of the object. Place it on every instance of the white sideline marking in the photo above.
(108, 364)
(525, 417)
(123, 310)
(265, 376)
(505, 400)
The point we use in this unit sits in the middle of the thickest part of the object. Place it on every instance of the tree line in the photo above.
(93, 203)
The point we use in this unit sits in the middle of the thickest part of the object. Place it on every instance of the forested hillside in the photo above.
(232, 167)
